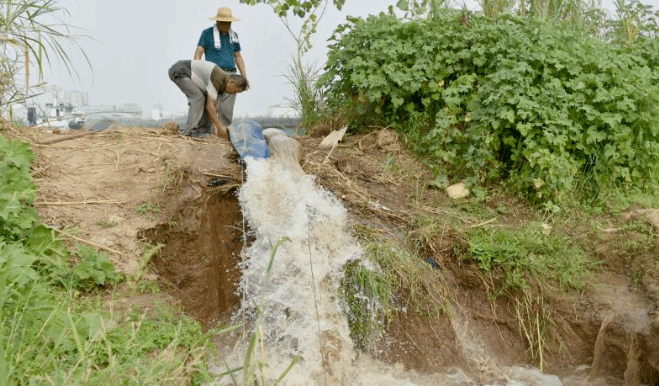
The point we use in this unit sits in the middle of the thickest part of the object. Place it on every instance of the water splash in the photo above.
(291, 301)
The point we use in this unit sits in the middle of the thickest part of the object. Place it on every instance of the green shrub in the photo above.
(513, 100)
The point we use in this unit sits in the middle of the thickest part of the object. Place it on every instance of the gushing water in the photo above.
(291, 276)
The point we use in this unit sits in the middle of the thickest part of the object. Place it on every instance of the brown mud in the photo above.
(124, 190)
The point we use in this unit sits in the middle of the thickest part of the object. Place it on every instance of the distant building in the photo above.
(283, 111)
(76, 98)
(130, 108)
(97, 109)
(157, 113)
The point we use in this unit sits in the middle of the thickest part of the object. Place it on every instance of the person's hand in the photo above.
(222, 132)
(247, 87)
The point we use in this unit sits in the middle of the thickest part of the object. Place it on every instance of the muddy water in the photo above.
(290, 279)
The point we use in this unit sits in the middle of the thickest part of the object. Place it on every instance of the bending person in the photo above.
(203, 83)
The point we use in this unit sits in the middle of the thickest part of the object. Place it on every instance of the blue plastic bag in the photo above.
(247, 139)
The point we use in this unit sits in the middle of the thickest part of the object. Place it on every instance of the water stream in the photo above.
(290, 300)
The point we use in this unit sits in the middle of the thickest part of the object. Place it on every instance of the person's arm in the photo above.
(220, 130)
(241, 66)
(199, 52)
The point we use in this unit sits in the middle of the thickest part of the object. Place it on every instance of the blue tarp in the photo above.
(247, 139)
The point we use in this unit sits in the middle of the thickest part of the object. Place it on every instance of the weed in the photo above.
(148, 208)
(107, 224)
(93, 270)
(636, 275)
(619, 200)
(147, 253)
(388, 280)
(631, 242)
(148, 287)
(534, 322)
(74, 341)
(522, 264)
(174, 177)
(529, 254)
(308, 99)
(390, 167)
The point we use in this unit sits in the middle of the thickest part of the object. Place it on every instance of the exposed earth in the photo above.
(124, 190)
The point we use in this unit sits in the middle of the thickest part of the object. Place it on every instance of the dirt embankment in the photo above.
(124, 190)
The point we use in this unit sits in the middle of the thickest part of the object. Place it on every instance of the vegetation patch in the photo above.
(50, 333)
(529, 257)
(540, 106)
(388, 281)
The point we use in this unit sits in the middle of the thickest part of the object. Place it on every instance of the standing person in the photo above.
(221, 46)
(203, 83)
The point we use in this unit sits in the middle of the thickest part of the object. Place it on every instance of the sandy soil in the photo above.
(124, 190)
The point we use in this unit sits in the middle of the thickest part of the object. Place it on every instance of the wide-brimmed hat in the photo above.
(224, 14)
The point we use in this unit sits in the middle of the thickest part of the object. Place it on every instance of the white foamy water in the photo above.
(293, 306)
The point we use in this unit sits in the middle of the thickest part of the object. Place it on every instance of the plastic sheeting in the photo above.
(247, 139)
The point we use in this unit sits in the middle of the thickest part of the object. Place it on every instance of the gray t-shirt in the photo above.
(209, 77)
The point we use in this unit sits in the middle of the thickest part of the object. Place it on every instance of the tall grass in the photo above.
(388, 280)
(308, 100)
(31, 36)
(630, 20)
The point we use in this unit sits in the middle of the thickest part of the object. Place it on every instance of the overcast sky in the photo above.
(132, 43)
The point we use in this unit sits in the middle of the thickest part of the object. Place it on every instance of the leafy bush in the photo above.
(93, 270)
(513, 99)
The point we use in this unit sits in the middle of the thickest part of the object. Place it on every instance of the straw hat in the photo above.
(224, 14)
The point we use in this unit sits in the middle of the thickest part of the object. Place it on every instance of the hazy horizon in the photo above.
(130, 52)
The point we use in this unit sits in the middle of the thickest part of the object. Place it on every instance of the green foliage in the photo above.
(50, 336)
(387, 280)
(529, 257)
(511, 99)
(107, 224)
(294, 7)
(47, 336)
(420, 8)
(17, 190)
(148, 208)
(308, 99)
(93, 270)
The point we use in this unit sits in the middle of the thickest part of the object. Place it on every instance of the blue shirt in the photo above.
(223, 57)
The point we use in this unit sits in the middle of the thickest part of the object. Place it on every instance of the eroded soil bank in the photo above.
(122, 189)
(200, 256)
